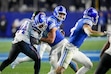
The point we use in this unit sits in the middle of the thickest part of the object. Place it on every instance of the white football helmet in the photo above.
(40, 21)
(92, 14)
(58, 10)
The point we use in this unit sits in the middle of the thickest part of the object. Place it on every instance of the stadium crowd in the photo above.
(48, 5)
(103, 6)
(84, 27)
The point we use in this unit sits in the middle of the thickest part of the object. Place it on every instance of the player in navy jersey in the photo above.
(28, 34)
(81, 30)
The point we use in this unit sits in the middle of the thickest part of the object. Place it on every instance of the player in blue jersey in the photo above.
(81, 30)
(57, 20)
(28, 34)
(59, 15)
(54, 37)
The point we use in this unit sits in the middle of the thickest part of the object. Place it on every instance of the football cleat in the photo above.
(13, 64)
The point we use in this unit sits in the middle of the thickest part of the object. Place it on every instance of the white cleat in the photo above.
(52, 72)
(14, 63)
(0, 72)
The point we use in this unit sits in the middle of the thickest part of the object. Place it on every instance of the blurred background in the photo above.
(12, 12)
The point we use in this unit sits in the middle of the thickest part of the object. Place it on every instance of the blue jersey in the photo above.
(54, 22)
(78, 35)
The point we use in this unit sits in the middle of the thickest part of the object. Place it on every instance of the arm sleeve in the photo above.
(51, 24)
(87, 21)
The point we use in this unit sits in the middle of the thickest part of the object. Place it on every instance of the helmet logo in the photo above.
(40, 21)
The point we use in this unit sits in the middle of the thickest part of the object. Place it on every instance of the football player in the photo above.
(55, 19)
(105, 57)
(81, 30)
(28, 34)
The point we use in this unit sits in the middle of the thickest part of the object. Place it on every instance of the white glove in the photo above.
(108, 33)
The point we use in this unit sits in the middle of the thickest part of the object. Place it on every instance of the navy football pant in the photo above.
(25, 48)
(104, 64)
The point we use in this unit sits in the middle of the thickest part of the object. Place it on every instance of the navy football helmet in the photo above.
(92, 14)
(58, 10)
(40, 21)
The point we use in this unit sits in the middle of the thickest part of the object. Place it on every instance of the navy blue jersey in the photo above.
(78, 35)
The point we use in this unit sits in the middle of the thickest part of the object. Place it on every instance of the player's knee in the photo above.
(53, 60)
(89, 65)
(37, 59)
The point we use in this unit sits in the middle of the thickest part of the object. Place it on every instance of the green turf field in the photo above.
(27, 67)
(89, 44)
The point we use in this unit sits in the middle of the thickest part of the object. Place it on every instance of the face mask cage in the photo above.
(61, 16)
(42, 26)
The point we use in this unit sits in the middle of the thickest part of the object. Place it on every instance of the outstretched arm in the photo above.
(91, 32)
